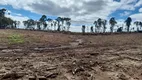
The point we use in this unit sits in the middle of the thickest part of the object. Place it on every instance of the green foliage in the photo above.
(29, 23)
(15, 39)
(4, 21)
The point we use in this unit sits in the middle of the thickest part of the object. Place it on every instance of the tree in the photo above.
(99, 21)
(16, 24)
(140, 25)
(104, 23)
(54, 23)
(50, 22)
(43, 18)
(112, 23)
(29, 24)
(6, 22)
(45, 25)
(59, 19)
(98, 25)
(62, 21)
(2, 12)
(128, 23)
(38, 23)
(137, 23)
(68, 23)
(42, 21)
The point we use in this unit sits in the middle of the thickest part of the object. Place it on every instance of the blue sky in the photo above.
(80, 11)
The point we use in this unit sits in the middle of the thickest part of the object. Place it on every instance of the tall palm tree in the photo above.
(128, 23)
(112, 23)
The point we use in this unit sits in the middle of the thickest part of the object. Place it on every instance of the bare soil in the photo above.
(58, 56)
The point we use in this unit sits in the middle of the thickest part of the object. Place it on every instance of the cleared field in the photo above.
(57, 56)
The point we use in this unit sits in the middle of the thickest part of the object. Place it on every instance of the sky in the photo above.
(80, 11)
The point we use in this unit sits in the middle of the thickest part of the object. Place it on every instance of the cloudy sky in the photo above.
(80, 11)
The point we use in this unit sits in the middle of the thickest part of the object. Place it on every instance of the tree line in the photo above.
(64, 23)
(7, 22)
(44, 23)
(100, 24)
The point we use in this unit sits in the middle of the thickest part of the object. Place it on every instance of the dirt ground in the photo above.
(56, 56)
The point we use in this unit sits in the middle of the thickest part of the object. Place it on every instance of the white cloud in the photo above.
(83, 11)
(126, 13)
(136, 16)
(139, 3)
(140, 10)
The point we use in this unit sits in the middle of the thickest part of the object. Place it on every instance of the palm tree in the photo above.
(137, 23)
(112, 23)
(128, 23)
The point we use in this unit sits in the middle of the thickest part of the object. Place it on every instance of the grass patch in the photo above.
(15, 39)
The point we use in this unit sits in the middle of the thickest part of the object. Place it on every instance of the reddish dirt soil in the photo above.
(58, 56)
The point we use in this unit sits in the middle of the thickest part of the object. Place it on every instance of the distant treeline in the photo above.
(64, 23)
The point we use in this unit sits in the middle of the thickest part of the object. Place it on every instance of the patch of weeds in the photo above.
(15, 39)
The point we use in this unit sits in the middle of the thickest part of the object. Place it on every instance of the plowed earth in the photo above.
(57, 56)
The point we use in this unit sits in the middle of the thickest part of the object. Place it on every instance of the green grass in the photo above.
(15, 39)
